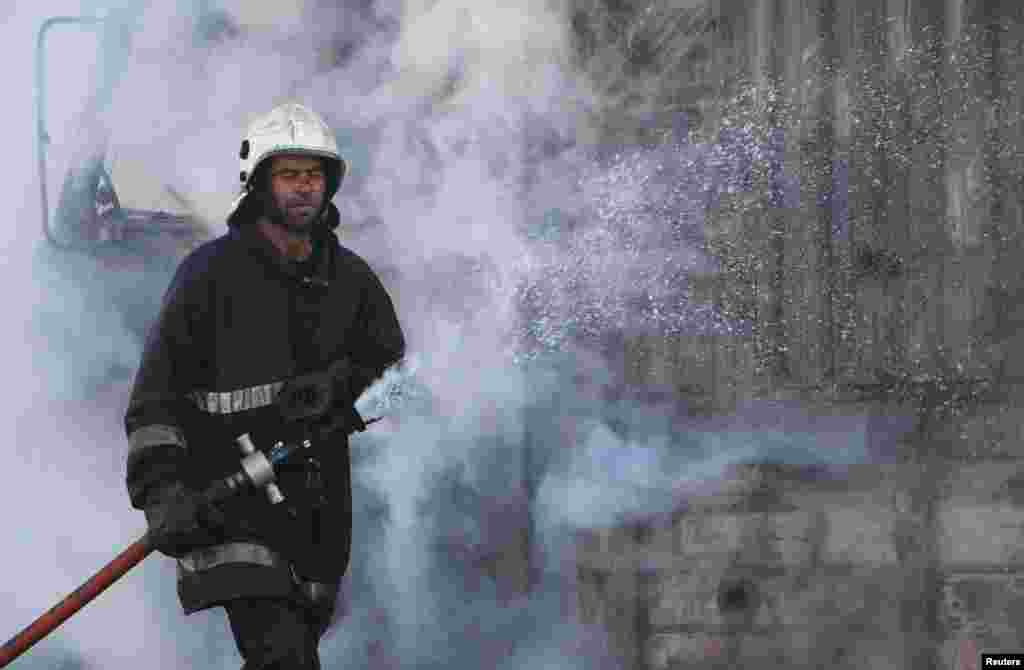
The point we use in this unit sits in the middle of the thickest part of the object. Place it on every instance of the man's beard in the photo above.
(296, 216)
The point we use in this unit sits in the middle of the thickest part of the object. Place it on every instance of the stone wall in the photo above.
(810, 573)
(880, 270)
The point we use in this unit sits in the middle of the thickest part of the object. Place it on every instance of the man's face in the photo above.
(297, 184)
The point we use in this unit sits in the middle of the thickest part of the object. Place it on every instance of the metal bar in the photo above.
(42, 137)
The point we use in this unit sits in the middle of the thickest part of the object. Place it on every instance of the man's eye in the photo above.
(290, 175)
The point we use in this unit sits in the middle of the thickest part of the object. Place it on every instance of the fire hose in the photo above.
(257, 472)
(310, 396)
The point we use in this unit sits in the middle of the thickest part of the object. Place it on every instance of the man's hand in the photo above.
(180, 521)
(315, 394)
(324, 399)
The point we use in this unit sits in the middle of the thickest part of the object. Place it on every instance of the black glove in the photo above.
(180, 521)
(324, 400)
(312, 395)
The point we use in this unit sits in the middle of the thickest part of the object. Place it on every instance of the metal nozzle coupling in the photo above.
(259, 469)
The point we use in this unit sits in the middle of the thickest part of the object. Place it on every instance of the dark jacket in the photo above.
(236, 321)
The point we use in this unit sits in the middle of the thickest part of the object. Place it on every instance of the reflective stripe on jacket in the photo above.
(239, 400)
(244, 560)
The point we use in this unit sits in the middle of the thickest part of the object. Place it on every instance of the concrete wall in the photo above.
(906, 289)
(828, 572)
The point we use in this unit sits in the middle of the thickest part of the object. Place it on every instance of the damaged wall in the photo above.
(871, 249)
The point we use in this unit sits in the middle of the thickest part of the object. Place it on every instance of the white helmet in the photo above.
(289, 129)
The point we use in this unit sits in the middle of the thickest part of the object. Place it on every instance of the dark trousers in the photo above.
(274, 634)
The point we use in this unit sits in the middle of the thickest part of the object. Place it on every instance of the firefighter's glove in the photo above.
(181, 521)
(324, 400)
(316, 394)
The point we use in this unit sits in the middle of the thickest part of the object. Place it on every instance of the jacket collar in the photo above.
(316, 269)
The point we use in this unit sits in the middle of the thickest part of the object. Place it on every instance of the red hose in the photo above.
(75, 601)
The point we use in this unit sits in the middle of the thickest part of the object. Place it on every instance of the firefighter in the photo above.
(274, 298)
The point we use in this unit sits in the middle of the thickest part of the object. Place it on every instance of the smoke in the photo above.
(515, 250)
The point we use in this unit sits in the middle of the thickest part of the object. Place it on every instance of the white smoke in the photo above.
(440, 105)
(64, 488)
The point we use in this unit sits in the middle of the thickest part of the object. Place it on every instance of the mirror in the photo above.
(69, 97)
